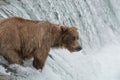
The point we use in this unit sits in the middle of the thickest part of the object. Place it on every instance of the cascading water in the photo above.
(99, 26)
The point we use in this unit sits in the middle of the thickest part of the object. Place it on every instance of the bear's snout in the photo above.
(79, 48)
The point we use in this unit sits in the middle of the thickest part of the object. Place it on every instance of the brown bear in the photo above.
(22, 38)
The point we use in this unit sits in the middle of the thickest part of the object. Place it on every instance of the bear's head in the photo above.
(70, 38)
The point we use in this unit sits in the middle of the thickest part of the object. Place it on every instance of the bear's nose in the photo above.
(79, 48)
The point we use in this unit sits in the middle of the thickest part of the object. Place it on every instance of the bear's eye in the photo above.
(73, 38)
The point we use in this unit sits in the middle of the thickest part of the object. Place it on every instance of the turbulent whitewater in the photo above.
(99, 29)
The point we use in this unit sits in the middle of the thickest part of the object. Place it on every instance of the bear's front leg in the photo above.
(40, 58)
(38, 63)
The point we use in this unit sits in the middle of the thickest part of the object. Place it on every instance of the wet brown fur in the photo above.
(22, 38)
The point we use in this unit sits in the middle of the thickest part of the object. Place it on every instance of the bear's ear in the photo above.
(64, 29)
(74, 28)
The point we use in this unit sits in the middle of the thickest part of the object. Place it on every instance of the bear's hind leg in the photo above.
(13, 57)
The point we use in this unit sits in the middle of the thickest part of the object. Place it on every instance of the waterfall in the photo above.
(99, 26)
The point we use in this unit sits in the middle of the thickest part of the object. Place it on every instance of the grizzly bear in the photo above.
(22, 39)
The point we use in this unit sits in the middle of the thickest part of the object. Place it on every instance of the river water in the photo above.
(98, 22)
